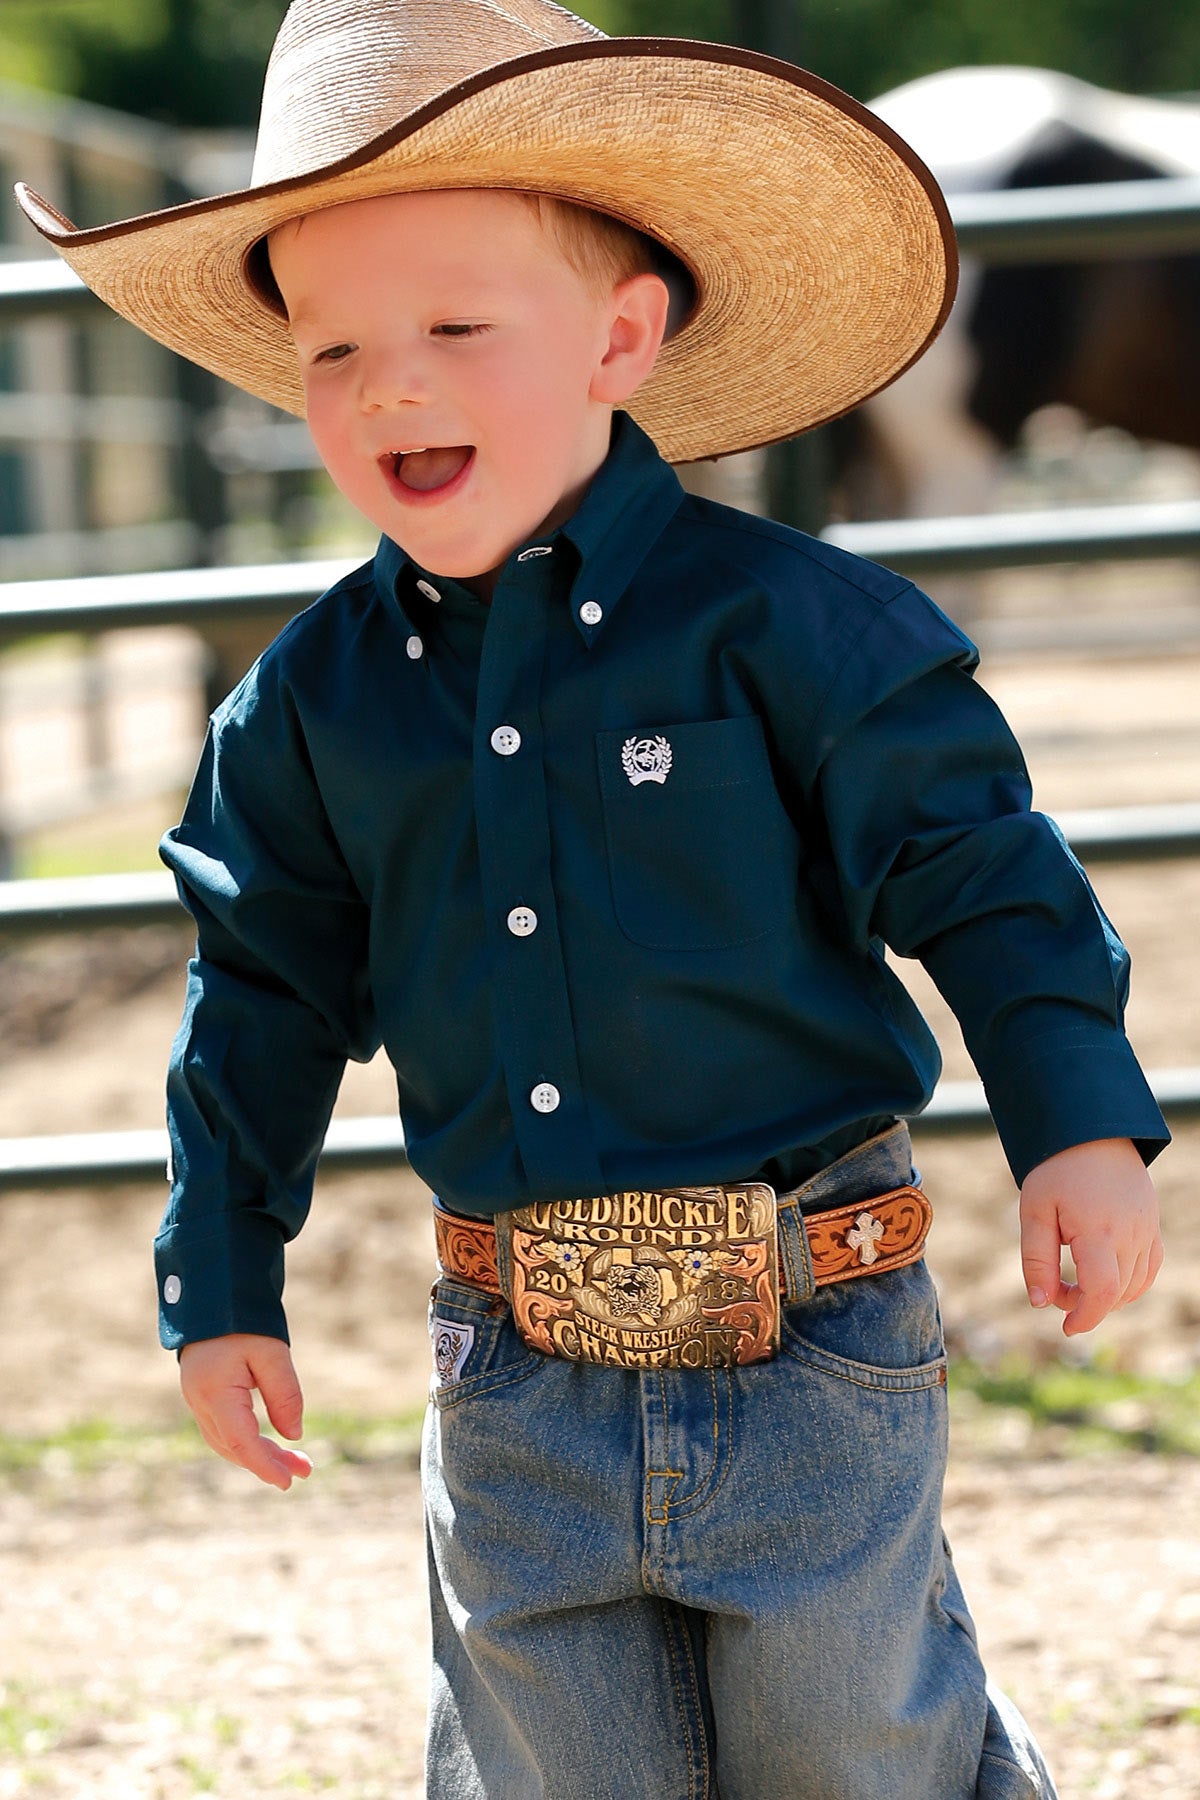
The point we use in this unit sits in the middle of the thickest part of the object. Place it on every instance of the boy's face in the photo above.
(451, 323)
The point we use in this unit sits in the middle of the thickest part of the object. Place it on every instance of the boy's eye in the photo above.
(335, 353)
(462, 330)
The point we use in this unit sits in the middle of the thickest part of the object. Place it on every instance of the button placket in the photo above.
(531, 1011)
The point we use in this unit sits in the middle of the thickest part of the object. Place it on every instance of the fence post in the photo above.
(798, 470)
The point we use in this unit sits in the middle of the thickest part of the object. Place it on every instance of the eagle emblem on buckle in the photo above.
(646, 759)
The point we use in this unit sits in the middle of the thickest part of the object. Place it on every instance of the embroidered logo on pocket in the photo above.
(451, 1347)
(646, 759)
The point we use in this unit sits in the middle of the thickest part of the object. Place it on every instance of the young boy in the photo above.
(595, 804)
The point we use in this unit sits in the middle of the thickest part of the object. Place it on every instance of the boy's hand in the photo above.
(1098, 1200)
(218, 1376)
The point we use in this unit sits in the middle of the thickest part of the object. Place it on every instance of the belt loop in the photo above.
(503, 1224)
(795, 1255)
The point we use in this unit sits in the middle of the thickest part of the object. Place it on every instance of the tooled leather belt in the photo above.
(685, 1277)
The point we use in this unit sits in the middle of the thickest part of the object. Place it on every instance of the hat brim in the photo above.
(820, 245)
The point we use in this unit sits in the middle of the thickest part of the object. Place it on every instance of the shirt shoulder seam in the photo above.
(722, 518)
(351, 582)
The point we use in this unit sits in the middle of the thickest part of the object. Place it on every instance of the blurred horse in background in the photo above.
(1117, 340)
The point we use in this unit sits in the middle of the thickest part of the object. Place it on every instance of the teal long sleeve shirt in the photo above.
(608, 867)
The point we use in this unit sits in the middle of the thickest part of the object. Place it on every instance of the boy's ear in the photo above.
(638, 322)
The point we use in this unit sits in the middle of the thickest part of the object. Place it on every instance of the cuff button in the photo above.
(172, 1288)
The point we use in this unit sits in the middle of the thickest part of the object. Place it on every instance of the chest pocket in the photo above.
(701, 853)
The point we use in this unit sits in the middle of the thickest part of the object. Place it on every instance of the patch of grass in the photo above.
(1092, 1407)
(203, 1780)
(112, 840)
(348, 1438)
(30, 1724)
(93, 1444)
(121, 853)
(25, 1729)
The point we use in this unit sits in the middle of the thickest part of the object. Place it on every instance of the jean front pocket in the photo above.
(701, 852)
(476, 1346)
(881, 1331)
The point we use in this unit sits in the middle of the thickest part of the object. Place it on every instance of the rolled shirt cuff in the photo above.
(219, 1275)
(1070, 1087)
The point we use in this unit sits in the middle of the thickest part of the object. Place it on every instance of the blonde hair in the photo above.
(602, 250)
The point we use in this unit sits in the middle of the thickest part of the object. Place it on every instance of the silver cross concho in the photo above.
(646, 759)
(864, 1237)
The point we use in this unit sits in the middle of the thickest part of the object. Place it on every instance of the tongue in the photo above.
(427, 469)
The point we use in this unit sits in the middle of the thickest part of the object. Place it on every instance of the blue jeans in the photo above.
(726, 1584)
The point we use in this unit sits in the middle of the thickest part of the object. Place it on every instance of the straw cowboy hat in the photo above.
(819, 246)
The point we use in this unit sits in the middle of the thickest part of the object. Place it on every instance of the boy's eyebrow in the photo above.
(484, 292)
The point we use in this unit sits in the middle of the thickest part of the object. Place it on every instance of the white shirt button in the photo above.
(591, 612)
(545, 1097)
(505, 740)
(172, 1288)
(427, 588)
(522, 920)
(414, 646)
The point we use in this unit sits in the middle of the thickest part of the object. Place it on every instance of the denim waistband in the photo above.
(871, 1168)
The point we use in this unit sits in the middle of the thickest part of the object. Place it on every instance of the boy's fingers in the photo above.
(1145, 1272)
(279, 1386)
(236, 1436)
(1041, 1258)
(1099, 1287)
(219, 1380)
(1157, 1253)
(1137, 1280)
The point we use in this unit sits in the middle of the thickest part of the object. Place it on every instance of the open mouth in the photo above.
(428, 471)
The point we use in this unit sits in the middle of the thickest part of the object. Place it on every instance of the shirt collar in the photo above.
(626, 508)
(628, 504)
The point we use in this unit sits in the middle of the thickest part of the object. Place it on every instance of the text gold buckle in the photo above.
(682, 1278)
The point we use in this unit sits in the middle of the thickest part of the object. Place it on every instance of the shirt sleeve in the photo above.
(934, 849)
(277, 1000)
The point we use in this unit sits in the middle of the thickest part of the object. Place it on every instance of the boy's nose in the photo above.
(391, 380)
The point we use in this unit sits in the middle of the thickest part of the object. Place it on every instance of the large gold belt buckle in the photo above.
(686, 1278)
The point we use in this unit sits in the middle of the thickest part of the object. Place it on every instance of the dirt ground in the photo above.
(168, 1628)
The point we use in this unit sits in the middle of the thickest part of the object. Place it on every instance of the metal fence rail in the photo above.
(115, 1158)
(89, 902)
(1010, 540)
(1079, 224)
(194, 597)
(112, 1158)
(197, 597)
